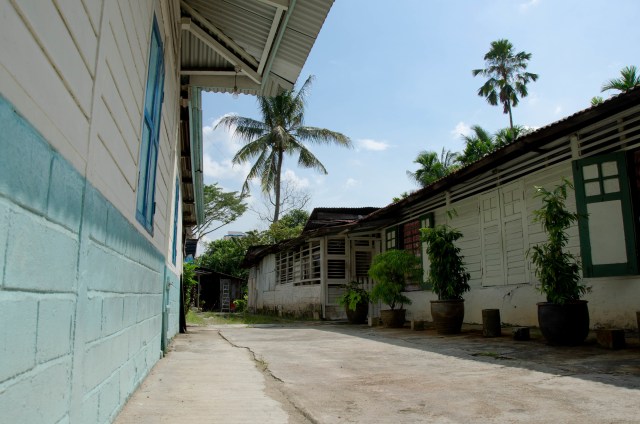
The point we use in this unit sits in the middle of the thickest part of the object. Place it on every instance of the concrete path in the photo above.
(328, 373)
(204, 379)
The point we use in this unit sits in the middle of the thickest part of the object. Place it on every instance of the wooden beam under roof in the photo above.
(280, 4)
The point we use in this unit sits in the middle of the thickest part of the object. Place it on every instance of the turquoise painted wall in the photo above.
(81, 290)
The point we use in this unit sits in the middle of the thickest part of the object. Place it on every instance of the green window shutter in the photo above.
(607, 240)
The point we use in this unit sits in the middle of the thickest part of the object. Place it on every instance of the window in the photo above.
(605, 200)
(300, 265)
(149, 146)
(174, 252)
(407, 236)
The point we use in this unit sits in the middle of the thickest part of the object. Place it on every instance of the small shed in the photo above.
(216, 291)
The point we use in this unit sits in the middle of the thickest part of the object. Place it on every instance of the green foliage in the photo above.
(432, 167)
(353, 295)
(280, 132)
(241, 304)
(596, 100)
(506, 76)
(557, 269)
(509, 134)
(219, 206)
(392, 270)
(448, 277)
(629, 78)
(189, 280)
(226, 255)
(477, 145)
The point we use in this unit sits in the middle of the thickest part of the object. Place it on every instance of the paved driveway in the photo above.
(344, 374)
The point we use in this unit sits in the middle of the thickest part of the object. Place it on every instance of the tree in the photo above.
(477, 145)
(432, 167)
(508, 135)
(292, 198)
(219, 206)
(280, 132)
(506, 74)
(629, 78)
(226, 255)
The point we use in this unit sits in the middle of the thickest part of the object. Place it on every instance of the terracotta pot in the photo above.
(359, 316)
(447, 315)
(566, 325)
(393, 318)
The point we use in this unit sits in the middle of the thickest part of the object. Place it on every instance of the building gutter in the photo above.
(195, 129)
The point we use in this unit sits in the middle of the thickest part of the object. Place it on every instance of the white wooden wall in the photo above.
(76, 70)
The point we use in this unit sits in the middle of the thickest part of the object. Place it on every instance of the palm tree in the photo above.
(508, 135)
(629, 78)
(507, 77)
(432, 167)
(280, 132)
(477, 145)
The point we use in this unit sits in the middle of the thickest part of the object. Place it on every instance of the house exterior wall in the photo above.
(269, 296)
(83, 286)
(502, 284)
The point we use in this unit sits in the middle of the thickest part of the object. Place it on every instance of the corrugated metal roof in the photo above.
(251, 31)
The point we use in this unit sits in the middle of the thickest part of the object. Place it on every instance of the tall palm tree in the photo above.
(629, 78)
(477, 145)
(281, 132)
(432, 167)
(506, 74)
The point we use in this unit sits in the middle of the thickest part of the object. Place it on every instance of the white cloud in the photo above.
(297, 182)
(224, 169)
(460, 130)
(373, 145)
(558, 110)
(351, 183)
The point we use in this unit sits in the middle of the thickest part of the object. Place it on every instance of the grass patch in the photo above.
(194, 318)
(213, 318)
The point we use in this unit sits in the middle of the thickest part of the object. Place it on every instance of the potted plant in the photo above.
(391, 271)
(448, 277)
(564, 317)
(355, 299)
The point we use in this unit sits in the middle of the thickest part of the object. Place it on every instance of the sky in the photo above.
(396, 78)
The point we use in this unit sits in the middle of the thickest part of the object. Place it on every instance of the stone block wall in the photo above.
(81, 290)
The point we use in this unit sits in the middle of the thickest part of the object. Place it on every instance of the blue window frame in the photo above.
(149, 146)
(174, 252)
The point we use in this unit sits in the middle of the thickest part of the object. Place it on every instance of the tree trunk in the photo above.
(276, 187)
(510, 119)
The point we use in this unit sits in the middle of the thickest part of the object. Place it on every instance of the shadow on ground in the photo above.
(588, 361)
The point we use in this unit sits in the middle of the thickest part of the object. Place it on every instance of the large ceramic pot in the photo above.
(393, 318)
(447, 315)
(359, 316)
(566, 325)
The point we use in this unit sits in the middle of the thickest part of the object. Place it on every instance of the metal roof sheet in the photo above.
(249, 34)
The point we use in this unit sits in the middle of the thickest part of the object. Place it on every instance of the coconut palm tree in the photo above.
(629, 78)
(477, 145)
(506, 74)
(432, 167)
(280, 132)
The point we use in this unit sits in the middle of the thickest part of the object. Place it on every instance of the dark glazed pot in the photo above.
(564, 325)
(393, 318)
(447, 315)
(359, 316)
